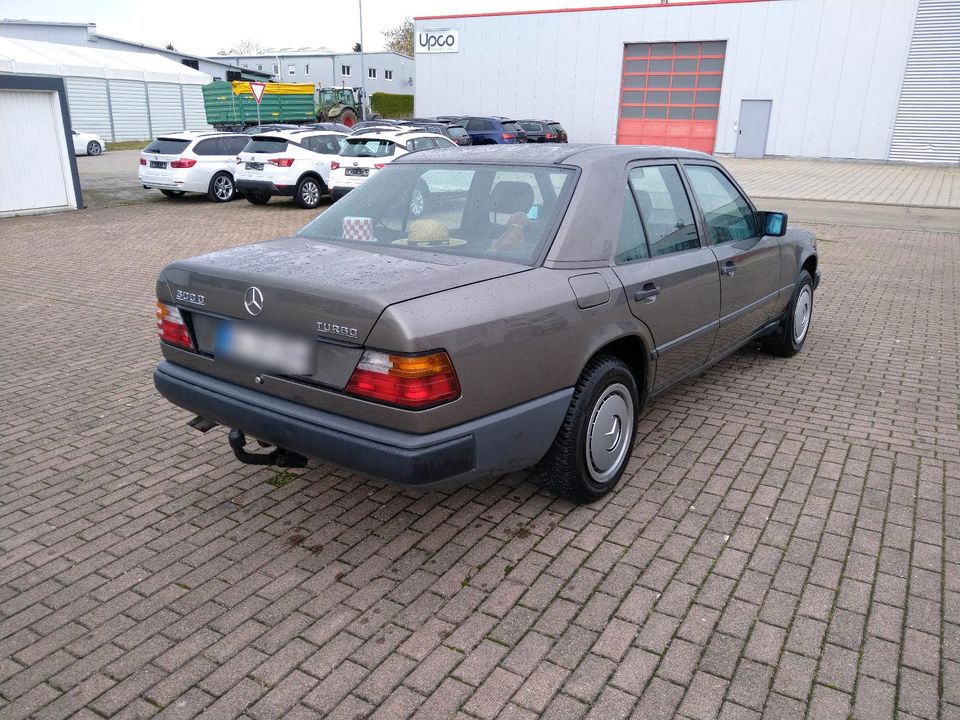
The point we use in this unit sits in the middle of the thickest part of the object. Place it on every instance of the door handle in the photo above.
(648, 293)
(730, 269)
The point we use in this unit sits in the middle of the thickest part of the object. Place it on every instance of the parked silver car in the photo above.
(520, 314)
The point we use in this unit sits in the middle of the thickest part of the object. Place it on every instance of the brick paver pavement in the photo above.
(786, 542)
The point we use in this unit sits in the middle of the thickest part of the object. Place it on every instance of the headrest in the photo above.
(510, 197)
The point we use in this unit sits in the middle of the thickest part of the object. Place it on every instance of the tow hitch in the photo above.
(278, 456)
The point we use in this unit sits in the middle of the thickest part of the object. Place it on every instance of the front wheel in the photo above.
(94, 148)
(592, 448)
(308, 193)
(222, 188)
(788, 341)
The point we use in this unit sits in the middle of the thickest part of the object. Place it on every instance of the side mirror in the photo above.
(774, 223)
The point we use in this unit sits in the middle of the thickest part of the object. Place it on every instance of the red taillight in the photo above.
(171, 327)
(334, 164)
(379, 166)
(410, 381)
(281, 162)
(183, 163)
(508, 136)
(550, 136)
(143, 161)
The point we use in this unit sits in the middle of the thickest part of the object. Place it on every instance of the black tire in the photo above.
(222, 188)
(310, 190)
(94, 148)
(789, 339)
(257, 198)
(173, 193)
(419, 199)
(605, 393)
(348, 117)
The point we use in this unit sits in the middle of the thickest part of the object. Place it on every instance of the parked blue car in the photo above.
(493, 130)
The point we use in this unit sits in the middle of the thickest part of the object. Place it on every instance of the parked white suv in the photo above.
(366, 152)
(293, 163)
(200, 162)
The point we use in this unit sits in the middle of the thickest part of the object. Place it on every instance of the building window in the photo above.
(195, 64)
(276, 69)
(291, 69)
(345, 70)
(306, 69)
(372, 73)
(388, 74)
(259, 67)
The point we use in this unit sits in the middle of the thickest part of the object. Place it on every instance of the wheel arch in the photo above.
(316, 176)
(634, 350)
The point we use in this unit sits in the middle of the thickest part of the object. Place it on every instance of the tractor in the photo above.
(340, 105)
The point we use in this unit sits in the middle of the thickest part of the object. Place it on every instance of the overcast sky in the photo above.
(202, 27)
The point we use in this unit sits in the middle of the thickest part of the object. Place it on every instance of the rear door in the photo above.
(670, 277)
(749, 262)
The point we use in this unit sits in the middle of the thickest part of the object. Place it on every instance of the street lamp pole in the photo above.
(363, 71)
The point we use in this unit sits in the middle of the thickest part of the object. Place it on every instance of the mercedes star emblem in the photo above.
(253, 300)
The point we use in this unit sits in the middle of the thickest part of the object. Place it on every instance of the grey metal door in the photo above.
(752, 130)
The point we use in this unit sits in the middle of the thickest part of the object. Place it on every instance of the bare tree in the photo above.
(244, 47)
(170, 46)
(400, 38)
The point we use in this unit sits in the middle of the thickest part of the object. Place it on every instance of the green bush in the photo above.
(389, 105)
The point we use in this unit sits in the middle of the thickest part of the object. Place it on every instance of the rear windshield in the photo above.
(266, 145)
(457, 131)
(557, 127)
(532, 126)
(167, 146)
(359, 147)
(512, 127)
(505, 212)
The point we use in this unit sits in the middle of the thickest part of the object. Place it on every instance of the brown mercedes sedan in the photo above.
(474, 311)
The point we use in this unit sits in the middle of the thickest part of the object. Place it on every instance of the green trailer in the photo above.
(232, 103)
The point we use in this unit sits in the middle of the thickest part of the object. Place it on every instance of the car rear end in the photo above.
(511, 133)
(267, 166)
(458, 134)
(361, 157)
(166, 164)
(557, 129)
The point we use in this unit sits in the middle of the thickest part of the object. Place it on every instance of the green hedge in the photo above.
(388, 105)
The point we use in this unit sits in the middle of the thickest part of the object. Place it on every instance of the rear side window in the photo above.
(357, 147)
(264, 144)
(479, 125)
(167, 146)
(632, 244)
(664, 208)
(213, 146)
(233, 145)
(323, 144)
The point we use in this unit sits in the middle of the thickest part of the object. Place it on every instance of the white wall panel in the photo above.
(89, 108)
(194, 111)
(129, 101)
(166, 111)
(832, 68)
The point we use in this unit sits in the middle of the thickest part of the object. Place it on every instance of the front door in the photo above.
(671, 279)
(749, 262)
(752, 128)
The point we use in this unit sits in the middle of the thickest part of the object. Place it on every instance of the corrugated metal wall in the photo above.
(831, 68)
(132, 109)
(928, 118)
(87, 98)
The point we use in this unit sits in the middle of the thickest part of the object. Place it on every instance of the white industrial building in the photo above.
(860, 79)
(386, 71)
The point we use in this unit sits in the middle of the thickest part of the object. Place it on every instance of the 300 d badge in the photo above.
(195, 298)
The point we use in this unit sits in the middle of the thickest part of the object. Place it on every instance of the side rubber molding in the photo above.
(507, 440)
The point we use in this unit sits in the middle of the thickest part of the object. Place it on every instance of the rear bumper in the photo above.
(507, 440)
(265, 187)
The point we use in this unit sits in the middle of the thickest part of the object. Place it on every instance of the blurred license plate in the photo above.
(265, 350)
(361, 172)
(254, 166)
(158, 164)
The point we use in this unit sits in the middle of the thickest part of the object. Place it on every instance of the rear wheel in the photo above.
(419, 199)
(308, 193)
(348, 118)
(94, 148)
(257, 198)
(222, 188)
(592, 448)
(788, 341)
(173, 193)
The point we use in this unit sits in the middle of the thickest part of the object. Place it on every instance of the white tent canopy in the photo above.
(30, 57)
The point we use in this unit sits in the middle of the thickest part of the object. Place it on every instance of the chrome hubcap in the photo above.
(223, 188)
(801, 314)
(310, 193)
(608, 435)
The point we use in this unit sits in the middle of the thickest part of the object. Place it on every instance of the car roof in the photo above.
(394, 134)
(196, 135)
(578, 154)
(306, 132)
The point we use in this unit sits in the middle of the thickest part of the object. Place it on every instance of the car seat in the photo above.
(506, 214)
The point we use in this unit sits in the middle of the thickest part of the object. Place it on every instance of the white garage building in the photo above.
(807, 78)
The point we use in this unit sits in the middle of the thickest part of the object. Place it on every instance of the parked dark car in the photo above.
(493, 130)
(523, 320)
(538, 131)
(558, 129)
(452, 130)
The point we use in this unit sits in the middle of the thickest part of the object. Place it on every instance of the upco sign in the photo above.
(438, 41)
